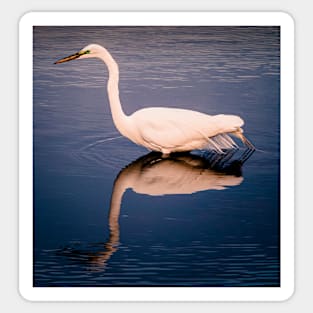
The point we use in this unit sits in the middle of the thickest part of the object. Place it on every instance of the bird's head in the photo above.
(90, 51)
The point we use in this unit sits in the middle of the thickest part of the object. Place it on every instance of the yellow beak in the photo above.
(69, 58)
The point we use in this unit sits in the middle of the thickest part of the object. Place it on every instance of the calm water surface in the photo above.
(108, 214)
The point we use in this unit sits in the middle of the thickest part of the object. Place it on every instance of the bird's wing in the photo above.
(169, 128)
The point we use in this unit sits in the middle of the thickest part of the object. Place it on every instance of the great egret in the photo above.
(165, 129)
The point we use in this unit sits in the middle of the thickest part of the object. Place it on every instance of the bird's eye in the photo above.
(87, 51)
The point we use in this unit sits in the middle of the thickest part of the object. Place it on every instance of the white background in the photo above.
(10, 13)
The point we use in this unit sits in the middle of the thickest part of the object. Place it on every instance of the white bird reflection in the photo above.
(153, 175)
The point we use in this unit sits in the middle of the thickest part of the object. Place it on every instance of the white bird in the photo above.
(165, 129)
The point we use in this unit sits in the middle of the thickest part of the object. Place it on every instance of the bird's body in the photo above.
(165, 129)
(183, 130)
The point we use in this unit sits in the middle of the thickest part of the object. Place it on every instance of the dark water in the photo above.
(185, 221)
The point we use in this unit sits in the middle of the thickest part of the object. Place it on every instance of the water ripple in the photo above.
(165, 263)
(249, 50)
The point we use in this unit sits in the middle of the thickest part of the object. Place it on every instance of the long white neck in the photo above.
(119, 118)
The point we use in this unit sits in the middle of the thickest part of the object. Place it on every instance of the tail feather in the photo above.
(219, 142)
(225, 124)
(225, 141)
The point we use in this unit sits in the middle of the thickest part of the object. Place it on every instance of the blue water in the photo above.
(104, 215)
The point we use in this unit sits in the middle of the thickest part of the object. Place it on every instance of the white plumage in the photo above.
(175, 130)
(164, 129)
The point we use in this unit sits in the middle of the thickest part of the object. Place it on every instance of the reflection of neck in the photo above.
(120, 185)
(115, 208)
(111, 245)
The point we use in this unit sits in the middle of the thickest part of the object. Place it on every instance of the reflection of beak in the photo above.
(69, 58)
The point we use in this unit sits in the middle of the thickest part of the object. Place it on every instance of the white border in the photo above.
(26, 158)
